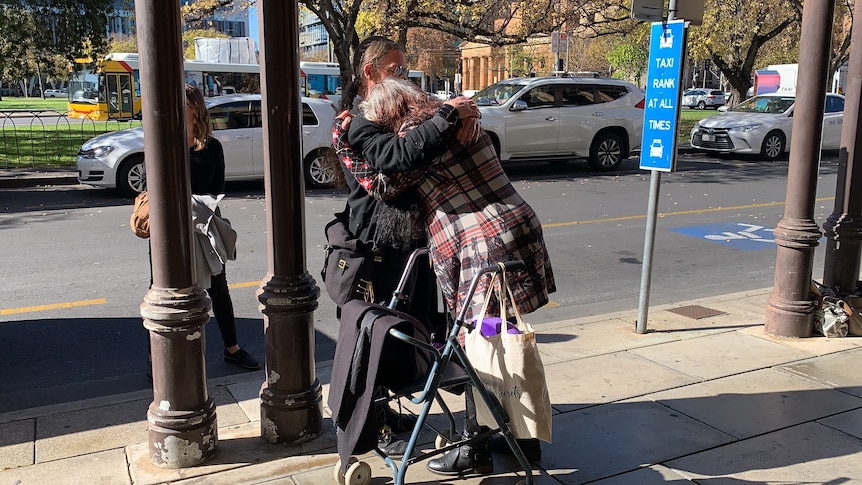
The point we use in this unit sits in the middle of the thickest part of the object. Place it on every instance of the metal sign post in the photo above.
(661, 117)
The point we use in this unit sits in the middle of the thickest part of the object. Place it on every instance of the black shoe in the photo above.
(531, 447)
(474, 458)
(386, 416)
(393, 449)
(242, 359)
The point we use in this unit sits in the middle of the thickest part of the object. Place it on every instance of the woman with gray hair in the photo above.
(474, 218)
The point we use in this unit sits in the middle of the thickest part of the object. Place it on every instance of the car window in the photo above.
(256, 115)
(230, 116)
(834, 104)
(765, 104)
(497, 93)
(717, 93)
(578, 95)
(608, 93)
(308, 117)
(539, 97)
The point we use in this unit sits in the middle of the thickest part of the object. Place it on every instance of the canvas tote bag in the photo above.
(510, 367)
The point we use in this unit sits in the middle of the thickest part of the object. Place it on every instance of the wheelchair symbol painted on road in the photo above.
(748, 237)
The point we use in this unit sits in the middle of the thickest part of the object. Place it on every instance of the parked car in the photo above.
(763, 125)
(55, 93)
(562, 118)
(444, 95)
(703, 98)
(116, 159)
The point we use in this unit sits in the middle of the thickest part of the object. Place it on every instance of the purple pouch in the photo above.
(491, 326)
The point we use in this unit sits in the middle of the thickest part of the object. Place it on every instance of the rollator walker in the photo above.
(448, 368)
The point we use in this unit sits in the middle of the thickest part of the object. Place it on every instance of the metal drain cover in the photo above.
(696, 312)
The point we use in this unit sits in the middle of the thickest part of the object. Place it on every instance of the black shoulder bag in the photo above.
(348, 263)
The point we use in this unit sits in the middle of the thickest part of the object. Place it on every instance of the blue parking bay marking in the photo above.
(739, 235)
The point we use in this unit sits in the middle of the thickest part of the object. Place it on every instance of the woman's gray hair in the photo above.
(396, 103)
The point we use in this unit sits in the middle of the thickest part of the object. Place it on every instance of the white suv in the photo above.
(560, 118)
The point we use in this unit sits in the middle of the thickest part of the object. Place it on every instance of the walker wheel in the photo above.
(358, 474)
(336, 472)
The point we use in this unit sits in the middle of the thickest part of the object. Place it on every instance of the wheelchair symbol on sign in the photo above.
(747, 234)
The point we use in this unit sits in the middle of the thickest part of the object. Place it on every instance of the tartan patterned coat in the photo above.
(476, 218)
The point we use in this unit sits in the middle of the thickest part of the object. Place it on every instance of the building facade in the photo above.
(232, 21)
(483, 65)
(313, 37)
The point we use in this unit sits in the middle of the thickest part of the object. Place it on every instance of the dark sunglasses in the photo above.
(399, 71)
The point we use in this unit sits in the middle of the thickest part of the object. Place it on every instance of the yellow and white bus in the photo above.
(113, 91)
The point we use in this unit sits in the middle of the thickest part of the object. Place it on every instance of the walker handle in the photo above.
(513, 265)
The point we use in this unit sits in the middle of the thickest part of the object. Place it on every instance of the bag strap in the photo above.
(507, 294)
(488, 294)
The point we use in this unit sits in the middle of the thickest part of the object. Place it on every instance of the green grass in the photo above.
(56, 104)
(688, 118)
(45, 140)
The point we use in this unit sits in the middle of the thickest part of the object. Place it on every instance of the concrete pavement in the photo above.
(26, 177)
(704, 396)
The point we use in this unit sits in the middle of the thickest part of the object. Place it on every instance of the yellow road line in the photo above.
(677, 213)
(244, 285)
(55, 306)
(102, 301)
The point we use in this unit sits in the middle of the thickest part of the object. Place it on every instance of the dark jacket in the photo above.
(207, 169)
(361, 362)
(387, 152)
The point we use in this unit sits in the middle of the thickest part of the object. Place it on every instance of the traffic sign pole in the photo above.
(658, 146)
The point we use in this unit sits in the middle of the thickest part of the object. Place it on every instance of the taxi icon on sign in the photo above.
(666, 40)
(656, 149)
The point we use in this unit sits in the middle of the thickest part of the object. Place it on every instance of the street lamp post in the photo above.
(181, 420)
(291, 395)
(843, 228)
(790, 308)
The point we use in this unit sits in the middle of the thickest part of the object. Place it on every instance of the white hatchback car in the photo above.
(560, 118)
(116, 159)
(55, 93)
(762, 125)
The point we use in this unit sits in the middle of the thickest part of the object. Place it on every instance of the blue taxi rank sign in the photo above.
(661, 110)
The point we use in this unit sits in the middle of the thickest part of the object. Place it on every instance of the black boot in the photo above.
(473, 458)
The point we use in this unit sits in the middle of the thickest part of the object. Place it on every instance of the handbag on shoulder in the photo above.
(140, 220)
(347, 264)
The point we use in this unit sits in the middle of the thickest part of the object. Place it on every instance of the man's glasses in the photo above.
(398, 71)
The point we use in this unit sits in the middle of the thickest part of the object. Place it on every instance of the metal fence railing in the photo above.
(32, 138)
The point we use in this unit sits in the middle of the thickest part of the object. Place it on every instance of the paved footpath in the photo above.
(19, 178)
(698, 398)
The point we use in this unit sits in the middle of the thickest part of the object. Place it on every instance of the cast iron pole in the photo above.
(843, 228)
(790, 308)
(291, 396)
(181, 420)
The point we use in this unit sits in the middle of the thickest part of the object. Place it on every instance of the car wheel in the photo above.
(606, 152)
(495, 142)
(321, 169)
(701, 105)
(132, 177)
(773, 146)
